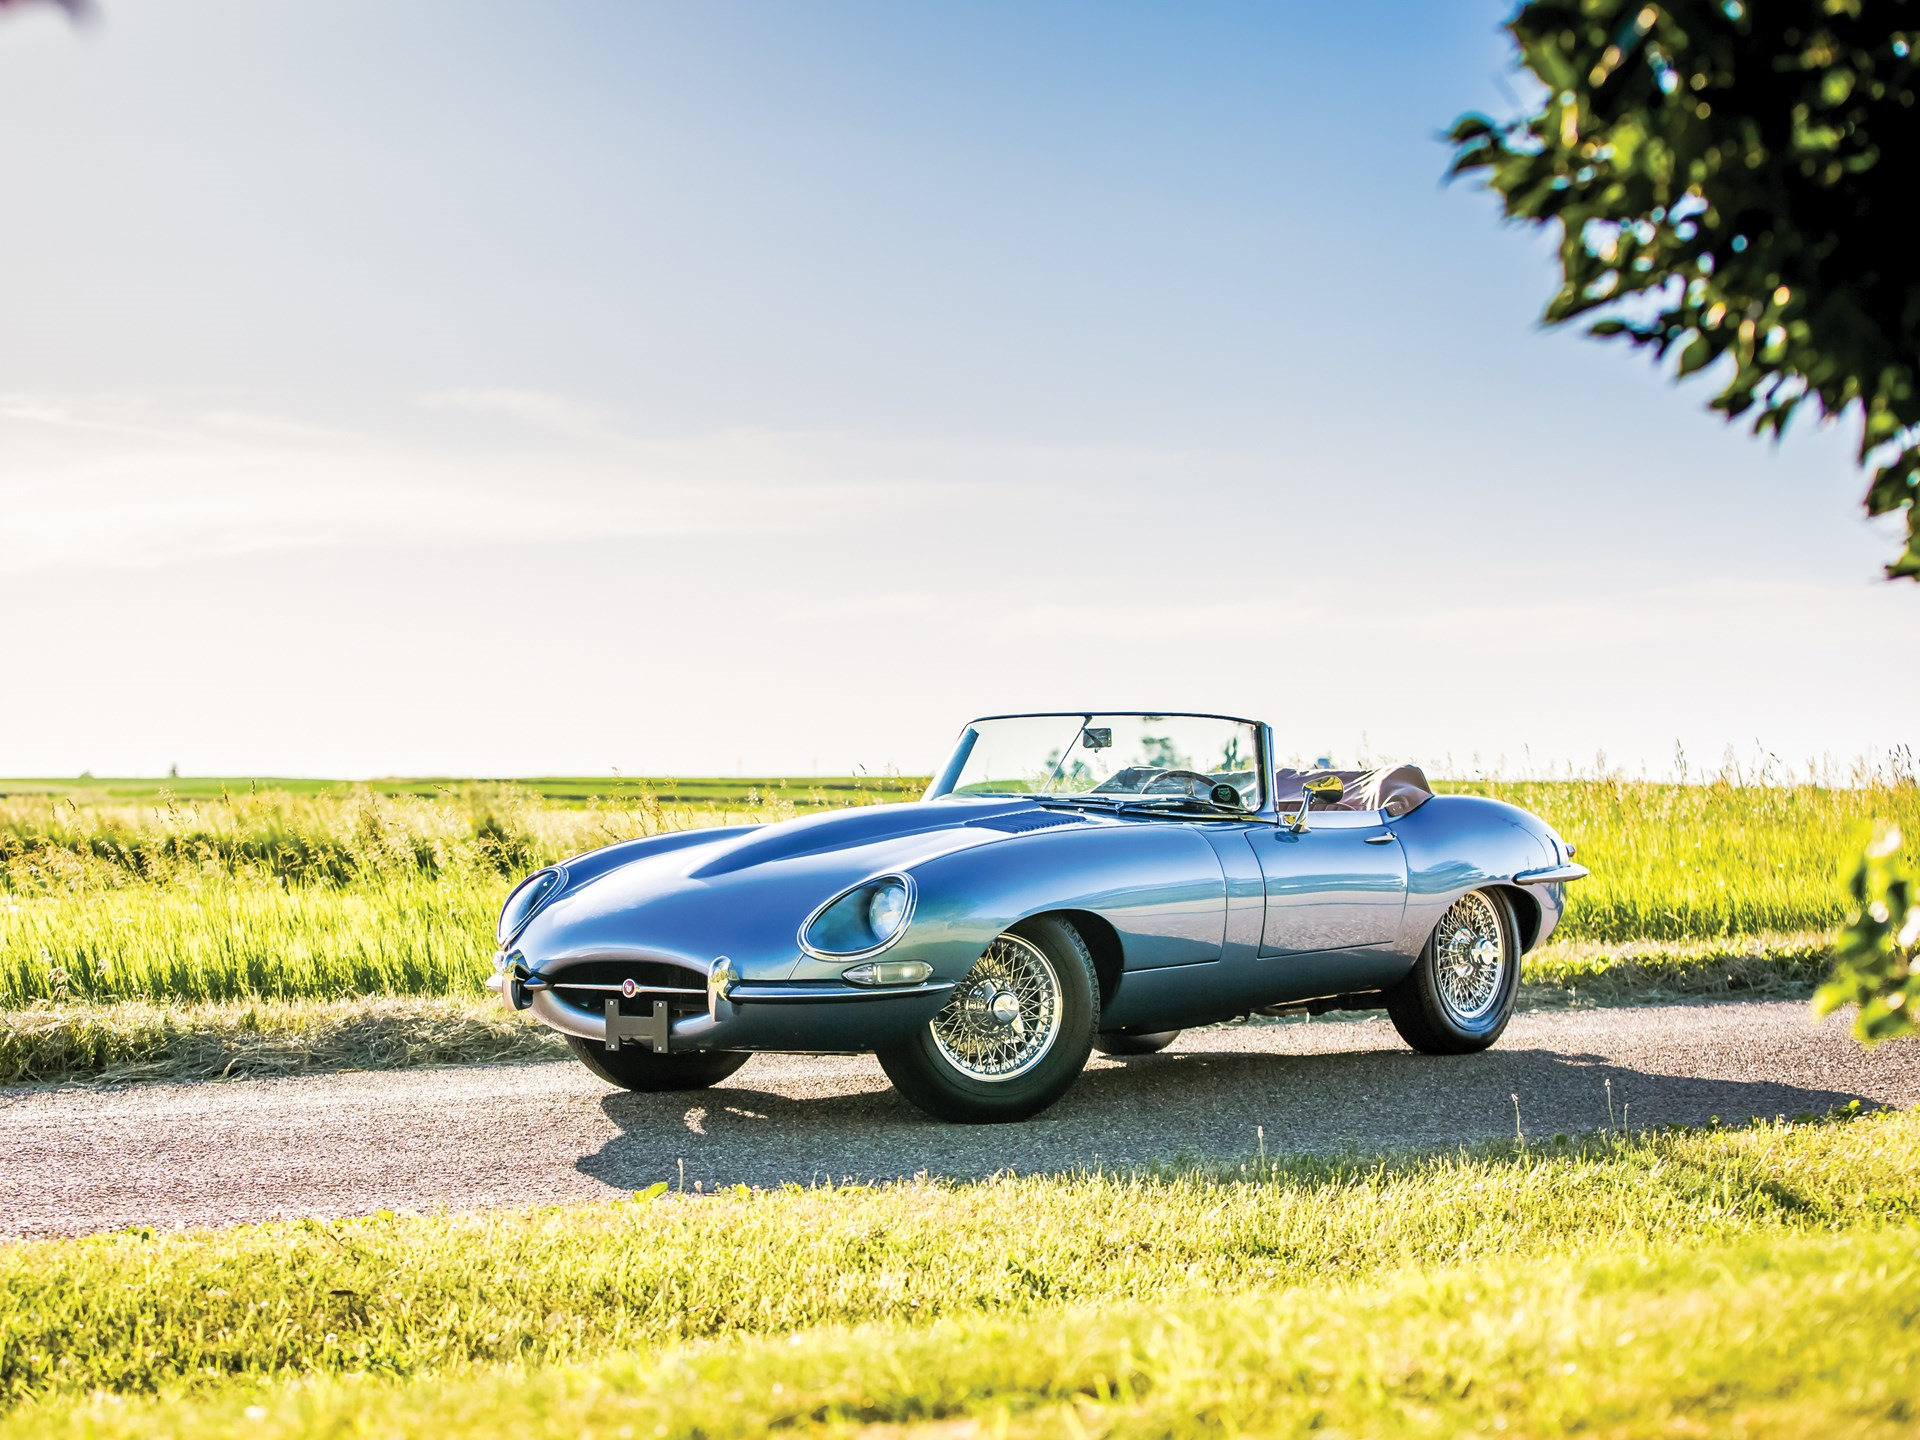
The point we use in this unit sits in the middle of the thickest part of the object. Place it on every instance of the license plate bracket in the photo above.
(654, 1029)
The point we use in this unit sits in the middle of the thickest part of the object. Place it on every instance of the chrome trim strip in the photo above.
(559, 869)
(745, 994)
(906, 920)
(638, 988)
(1552, 875)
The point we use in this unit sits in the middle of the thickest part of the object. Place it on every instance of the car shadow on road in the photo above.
(1208, 1105)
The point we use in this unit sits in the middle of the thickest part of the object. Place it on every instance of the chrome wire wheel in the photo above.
(1470, 958)
(1004, 1017)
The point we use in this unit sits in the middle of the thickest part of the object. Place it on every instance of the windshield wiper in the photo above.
(1183, 802)
(1149, 804)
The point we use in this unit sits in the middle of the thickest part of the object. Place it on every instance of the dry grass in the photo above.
(140, 1040)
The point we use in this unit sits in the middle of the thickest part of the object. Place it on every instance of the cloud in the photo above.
(557, 413)
(128, 480)
(119, 481)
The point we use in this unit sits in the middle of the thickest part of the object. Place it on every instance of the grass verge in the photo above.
(400, 1296)
(1598, 972)
(139, 1040)
(1774, 1336)
(136, 1040)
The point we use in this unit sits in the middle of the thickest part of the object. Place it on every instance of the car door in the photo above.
(1340, 884)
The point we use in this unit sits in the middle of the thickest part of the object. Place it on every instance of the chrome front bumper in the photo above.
(740, 1015)
(1552, 875)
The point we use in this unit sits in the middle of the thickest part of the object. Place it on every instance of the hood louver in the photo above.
(1024, 820)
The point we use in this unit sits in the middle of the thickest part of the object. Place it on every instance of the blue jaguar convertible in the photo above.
(1069, 882)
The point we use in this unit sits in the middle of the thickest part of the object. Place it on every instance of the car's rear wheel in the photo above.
(635, 1067)
(1460, 995)
(1124, 1043)
(1014, 1035)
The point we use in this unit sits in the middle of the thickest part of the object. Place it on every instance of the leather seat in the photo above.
(1396, 789)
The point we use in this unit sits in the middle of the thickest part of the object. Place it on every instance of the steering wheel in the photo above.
(1190, 777)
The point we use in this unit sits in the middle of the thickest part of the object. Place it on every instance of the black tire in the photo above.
(635, 1067)
(923, 1072)
(1119, 1042)
(1422, 1007)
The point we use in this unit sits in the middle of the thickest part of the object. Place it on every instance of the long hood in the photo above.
(688, 898)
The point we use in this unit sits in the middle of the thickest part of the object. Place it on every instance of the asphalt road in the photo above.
(74, 1160)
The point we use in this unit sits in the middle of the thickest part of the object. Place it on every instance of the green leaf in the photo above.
(1772, 145)
(1698, 354)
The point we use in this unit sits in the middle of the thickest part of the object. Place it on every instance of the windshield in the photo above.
(1118, 755)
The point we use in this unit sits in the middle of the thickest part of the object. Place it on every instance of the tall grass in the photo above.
(1705, 861)
(278, 895)
(286, 896)
(55, 846)
(222, 938)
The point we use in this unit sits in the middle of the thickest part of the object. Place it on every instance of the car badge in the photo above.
(628, 988)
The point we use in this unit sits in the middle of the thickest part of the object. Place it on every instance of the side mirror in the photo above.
(1327, 789)
(1323, 789)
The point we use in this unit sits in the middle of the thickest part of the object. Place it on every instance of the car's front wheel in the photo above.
(1460, 995)
(1014, 1035)
(636, 1067)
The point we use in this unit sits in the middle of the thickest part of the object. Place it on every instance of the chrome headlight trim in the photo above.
(558, 876)
(906, 918)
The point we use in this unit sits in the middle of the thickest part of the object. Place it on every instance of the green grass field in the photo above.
(1779, 1338)
(1767, 1273)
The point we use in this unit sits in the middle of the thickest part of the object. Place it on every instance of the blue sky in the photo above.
(492, 388)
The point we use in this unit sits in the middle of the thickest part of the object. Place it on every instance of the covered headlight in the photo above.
(869, 917)
(528, 896)
(887, 908)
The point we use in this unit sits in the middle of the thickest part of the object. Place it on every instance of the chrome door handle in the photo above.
(1384, 839)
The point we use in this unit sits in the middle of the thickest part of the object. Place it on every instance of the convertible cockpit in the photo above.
(1396, 789)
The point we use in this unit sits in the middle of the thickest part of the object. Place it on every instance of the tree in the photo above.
(1874, 956)
(1733, 183)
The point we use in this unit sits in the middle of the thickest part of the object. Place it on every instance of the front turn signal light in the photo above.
(887, 972)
